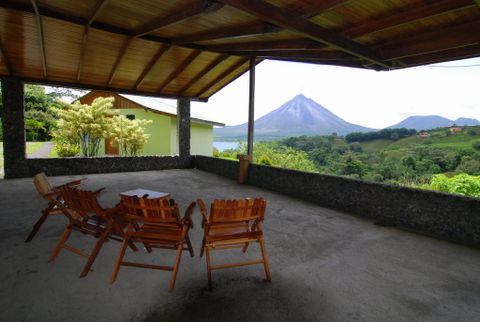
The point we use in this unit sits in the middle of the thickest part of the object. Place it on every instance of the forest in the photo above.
(443, 160)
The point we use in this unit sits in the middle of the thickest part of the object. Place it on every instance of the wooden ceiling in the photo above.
(193, 48)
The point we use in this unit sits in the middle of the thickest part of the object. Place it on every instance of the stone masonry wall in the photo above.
(67, 166)
(431, 213)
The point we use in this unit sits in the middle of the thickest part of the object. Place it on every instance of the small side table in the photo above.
(139, 192)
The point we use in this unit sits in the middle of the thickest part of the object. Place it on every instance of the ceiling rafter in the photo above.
(396, 18)
(228, 33)
(433, 41)
(204, 6)
(280, 17)
(41, 37)
(320, 55)
(180, 68)
(293, 44)
(438, 57)
(119, 59)
(150, 65)
(98, 8)
(225, 73)
(203, 72)
(343, 63)
(6, 61)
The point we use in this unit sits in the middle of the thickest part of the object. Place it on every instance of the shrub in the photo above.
(65, 149)
(476, 145)
(462, 184)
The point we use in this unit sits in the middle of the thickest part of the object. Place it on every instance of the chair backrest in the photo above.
(154, 210)
(42, 184)
(82, 202)
(237, 210)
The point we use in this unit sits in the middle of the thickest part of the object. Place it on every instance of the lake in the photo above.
(221, 146)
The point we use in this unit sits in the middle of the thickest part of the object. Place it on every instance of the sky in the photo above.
(364, 97)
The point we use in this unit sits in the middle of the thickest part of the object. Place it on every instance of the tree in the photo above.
(87, 125)
(129, 134)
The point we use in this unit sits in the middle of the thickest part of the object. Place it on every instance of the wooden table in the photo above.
(139, 192)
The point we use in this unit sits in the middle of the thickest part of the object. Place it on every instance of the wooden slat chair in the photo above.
(232, 224)
(52, 195)
(92, 220)
(155, 223)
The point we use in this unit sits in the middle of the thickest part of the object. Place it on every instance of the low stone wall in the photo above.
(431, 213)
(67, 166)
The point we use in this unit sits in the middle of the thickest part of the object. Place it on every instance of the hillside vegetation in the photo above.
(392, 157)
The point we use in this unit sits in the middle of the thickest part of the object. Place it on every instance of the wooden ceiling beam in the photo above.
(228, 33)
(439, 57)
(41, 37)
(119, 59)
(180, 68)
(342, 63)
(293, 44)
(292, 54)
(433, 41)
(98, 8)
(408, 15)
(203, 72)
(201, 7)
(224, 74)
(281, 17)
(6, 61)
(150, 65)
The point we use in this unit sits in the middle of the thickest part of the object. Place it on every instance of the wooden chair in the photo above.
(52, 195)
(92, 220)
(232, 224)
(155, 223)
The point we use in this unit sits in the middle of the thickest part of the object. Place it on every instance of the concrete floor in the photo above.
(326, 265)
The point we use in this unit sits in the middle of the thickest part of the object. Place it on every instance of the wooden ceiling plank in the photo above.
(438, 57)
(6, 61)
(280, 17)
(316, 8)
(201, 7)
(98, 8)
(228, 33)
(433, 41)
(203, 72)
(41, 37)
(397, 18)
(119, 59)
(224, 74)
(180, 68)
(294, 44)
(150, 65)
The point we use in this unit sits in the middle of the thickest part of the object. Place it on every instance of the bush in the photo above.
(65, 149)
(476, 145)
(462, 184)
(265, 160)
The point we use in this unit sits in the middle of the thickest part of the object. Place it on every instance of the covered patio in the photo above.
(329, 261)
(326, 265)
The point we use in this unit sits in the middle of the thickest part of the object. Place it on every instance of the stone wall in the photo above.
(431, 213)
(67, 166)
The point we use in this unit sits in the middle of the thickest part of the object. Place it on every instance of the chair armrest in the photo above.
(203, 212)
(187, 220)
(71, 183)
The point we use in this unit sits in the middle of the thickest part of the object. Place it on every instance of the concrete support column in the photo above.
(183, 126)
(13, 118)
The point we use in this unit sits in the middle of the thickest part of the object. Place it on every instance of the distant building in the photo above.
(455, 129)
(162, 130)
(424, 135)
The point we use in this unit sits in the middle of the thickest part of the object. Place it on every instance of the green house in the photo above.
(162, 129)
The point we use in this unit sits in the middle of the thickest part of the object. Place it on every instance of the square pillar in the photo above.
(183, 126)
(13, 118)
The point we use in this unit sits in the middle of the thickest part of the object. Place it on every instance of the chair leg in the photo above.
(177, 265)
(39, 223)
(61, 242)
(245, 247)
(203, 247)
(94, 253)
(207, 250)
(265, 259)
(189, 244)
(123, 248)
